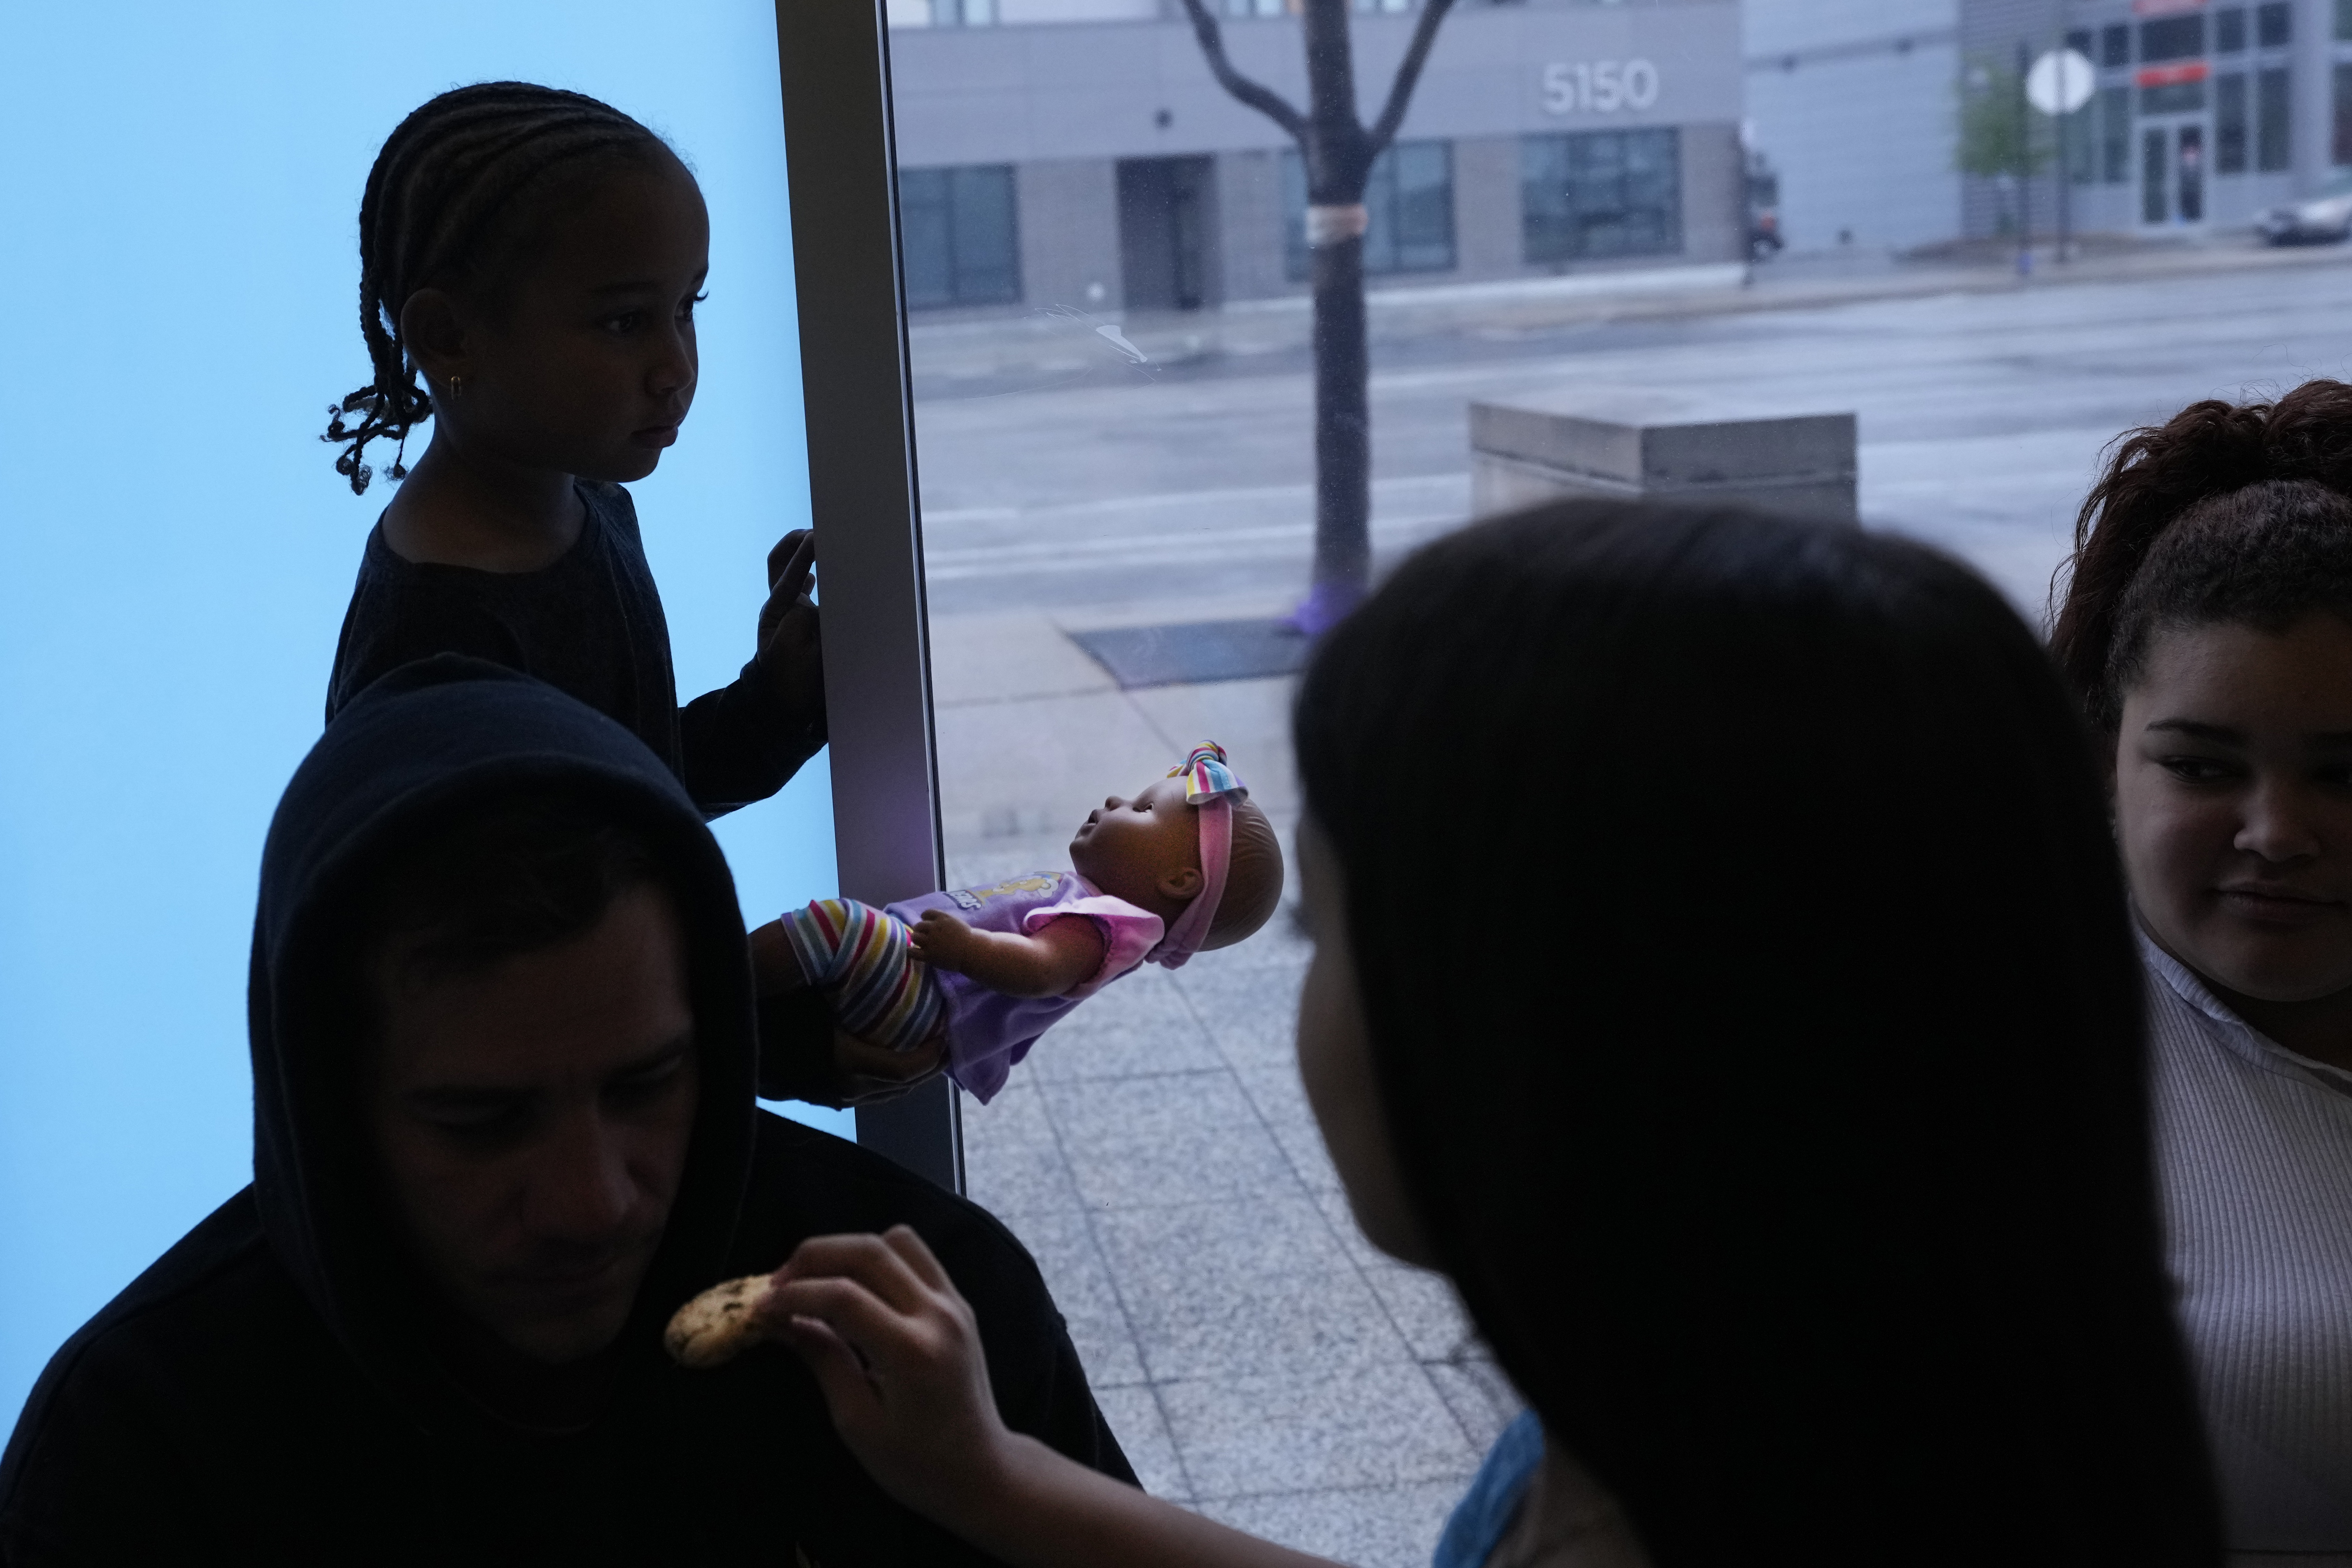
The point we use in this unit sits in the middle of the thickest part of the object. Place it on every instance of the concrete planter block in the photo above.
(1599, 442)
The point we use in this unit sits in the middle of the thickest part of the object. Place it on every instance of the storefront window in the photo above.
(2273, 124)
(1134, 464)
(2275, 24)
(2115, 134)
(960, 235)
(2229, 123)
(2171, 38)
(2340, 143)
(1600, 194)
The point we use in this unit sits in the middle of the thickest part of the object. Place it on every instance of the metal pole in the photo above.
(2065, 145)
(2024, 165)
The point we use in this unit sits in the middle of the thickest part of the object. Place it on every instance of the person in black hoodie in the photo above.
(503, 1060)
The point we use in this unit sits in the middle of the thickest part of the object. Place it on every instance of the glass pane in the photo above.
(2173, 38)
(180, 549)
(1157, 459)
(2229, 124)
(2273, 147)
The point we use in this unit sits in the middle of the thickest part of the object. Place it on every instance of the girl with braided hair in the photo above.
(530, 262)
(2207, 626)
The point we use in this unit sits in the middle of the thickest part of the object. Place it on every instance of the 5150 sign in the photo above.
(1598, 87)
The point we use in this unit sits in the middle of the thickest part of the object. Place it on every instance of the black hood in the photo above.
(423, 745)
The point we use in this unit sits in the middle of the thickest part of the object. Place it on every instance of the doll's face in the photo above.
(1145, 849)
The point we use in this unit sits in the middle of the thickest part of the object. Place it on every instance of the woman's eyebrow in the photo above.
(2198, 729)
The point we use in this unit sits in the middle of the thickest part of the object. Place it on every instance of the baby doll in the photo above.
(1187, 865)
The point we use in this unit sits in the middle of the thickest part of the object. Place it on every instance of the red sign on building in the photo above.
(2173, 76)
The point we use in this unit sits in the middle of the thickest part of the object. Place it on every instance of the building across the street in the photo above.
(2203, 113)
(1080, 153)
(1851, 106)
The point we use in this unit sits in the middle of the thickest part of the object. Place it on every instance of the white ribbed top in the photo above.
(2253, 1146)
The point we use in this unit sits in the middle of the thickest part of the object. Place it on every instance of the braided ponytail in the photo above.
(2224, 512)
(444, 202)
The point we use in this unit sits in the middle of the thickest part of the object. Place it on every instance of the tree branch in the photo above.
(1262, 99)
(1425, 34)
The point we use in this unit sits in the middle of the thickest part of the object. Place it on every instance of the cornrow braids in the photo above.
(446, 188)
(2226, 512)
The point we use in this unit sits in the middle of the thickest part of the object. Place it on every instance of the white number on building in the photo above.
(1598, 87)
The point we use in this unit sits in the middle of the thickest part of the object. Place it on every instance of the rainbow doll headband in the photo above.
(1212, 786)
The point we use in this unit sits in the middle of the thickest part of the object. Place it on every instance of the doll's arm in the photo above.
(1056, 957)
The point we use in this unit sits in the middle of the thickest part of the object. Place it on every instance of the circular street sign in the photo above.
(2059, 83)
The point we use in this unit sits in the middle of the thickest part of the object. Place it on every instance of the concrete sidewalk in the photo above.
(1259, 1361)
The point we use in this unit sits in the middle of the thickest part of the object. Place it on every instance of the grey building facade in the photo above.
(2206, 111)
(1096, 163)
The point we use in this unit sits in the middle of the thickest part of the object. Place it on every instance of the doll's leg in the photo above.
(860, 958)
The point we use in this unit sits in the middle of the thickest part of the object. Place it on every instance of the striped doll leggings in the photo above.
(859, 956)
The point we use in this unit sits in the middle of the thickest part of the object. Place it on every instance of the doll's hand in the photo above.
(791, 656)
(942, 940)
(897, 1351)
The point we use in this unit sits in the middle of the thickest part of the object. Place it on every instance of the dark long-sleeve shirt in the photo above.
(590, 624)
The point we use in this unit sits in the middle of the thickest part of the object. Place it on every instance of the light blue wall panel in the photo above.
(180, 188)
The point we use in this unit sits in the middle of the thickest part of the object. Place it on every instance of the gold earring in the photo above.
(456, 387)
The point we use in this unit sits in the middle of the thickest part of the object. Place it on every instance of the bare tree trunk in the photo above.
(1343, 437)
(1338, 157)
(1338, 151)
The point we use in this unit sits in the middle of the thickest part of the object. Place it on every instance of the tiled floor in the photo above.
(1258, 1359)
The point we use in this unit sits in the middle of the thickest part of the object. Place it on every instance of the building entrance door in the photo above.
(1165, 207)
(2190, 160)
(2172, 172)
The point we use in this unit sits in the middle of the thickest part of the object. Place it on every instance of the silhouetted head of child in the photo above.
(535, 255)
(1147, 850)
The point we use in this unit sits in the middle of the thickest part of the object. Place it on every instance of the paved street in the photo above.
(1120, 489)
(1258, 1360)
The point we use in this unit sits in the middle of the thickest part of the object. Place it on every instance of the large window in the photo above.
(1597, 193)
(2115, 134)
(2229, 30)
(2229, 123)
(1408, 201)
(2340, 143)
(2273, 125)
(2173, 38)
(2274, 25)
(961, 239)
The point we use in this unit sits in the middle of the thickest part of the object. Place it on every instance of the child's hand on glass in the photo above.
(791, 656)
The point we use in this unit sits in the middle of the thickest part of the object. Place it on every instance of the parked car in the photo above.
(2315, 219)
